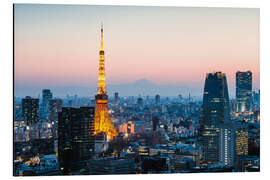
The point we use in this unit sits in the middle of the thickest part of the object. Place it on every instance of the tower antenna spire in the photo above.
(101, 46)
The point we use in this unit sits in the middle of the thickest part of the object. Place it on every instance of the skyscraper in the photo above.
(157, 99)
(241, 144)
(243, 91)
(241, 138)
(55, 106)
(46, 97)
(256, 98)
(226, 143)
(75, 137)
(215, 100)
(116, 98)
(155, 122)
(30, 110)
(217, 137)
(102, 123)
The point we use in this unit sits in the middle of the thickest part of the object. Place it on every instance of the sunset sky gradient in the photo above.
(57, 45)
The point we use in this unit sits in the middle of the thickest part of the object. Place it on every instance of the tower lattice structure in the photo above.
(102, 122)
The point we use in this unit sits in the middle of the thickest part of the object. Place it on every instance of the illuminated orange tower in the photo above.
(102, 123)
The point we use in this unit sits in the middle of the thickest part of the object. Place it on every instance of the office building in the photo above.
(241, 138)
(111, 166)
(241, 144)
(227, 146)
(217, 136)
(155, 123)
(157, 100)
(55, 106)
(243, 91)
(75, 137)
(30, 110)
(116, 98)
(216, 100)
(46, 97)
(256, 98)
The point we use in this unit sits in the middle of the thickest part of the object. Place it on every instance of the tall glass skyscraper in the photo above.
(243, 91)
(30, 110)
(46, 97)
(157, 99)
(75, 137)
(55, 106)
(217, 136)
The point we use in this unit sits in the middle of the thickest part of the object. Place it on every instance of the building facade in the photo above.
(46, 97)
(157, 100)
(243, 91)
(30, 110)
(75, 137)
(55, 106)
(217, 137)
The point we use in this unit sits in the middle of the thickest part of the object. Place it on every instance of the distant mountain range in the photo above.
(141, 87)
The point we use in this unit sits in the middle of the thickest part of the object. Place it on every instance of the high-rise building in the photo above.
(46, 97)
(256, 98)
(75, 137)
(155, 122)
(217, 136)
(157, 99)
(215, 100)
(241, 144)
(227, 146)
(241, 138)
(30, 110)
(116, 98)
(102, 122)
(210, 144)
(243, 91)
(55, 106)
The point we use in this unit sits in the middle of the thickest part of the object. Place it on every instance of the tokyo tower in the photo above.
(102, 122)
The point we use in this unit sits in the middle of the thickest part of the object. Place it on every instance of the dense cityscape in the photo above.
(139, 134)
(156, 135)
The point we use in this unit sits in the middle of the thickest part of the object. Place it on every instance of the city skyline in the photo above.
(48, 56)
(146, 132)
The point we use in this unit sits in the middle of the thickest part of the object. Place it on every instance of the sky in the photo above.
(58, 45)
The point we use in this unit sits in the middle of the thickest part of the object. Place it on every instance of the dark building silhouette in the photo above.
(30, 110)
(55, 106)
(116, 97)
(111, 166)
(155, 122)
(243, 91)
(157, 99)
(215, 100)
(46, 97)
(217, 136)
(75, 140)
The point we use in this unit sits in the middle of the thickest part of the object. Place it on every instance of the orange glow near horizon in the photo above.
(56, 45)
